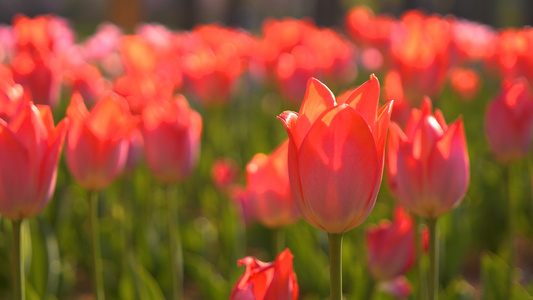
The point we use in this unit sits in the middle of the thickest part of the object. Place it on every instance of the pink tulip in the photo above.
(267, 281)
(31, 147)
(269, 192)
(171, 133)
(391, 247)
(97, 141)
(509, 121)
(336, 154)
(428, 165)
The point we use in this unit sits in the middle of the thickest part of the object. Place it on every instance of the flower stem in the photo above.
(335, 265)
(422, 292)
(278, 240)
(174, 244)
(433, 276)
(18, 268)
(98, 282)
(510, 228)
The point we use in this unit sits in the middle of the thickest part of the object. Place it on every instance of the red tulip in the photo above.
(171, 133)
(269, 191)
(30, 149)
(391, 247)
(40, 74)
(12, 98)
(336, 154)
(420, 50)
(428, 165)
(509, 121)
(224, 172)
(267, 281)
(97, 141)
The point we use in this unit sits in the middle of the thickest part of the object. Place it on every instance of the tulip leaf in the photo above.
(494, 277)
(146, 285)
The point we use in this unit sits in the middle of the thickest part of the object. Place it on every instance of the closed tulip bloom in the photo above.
(269, 190)
(267, 281)
(428, 166)
(391, 247)
(224, 172)
(509, 121)
(97, 141)
(336, 154)
(30, 147)
(171, 133)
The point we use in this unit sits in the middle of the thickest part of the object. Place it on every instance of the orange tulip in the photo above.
(269, 191)
(509, 121)
(465, 82)
(31, 148)
(336, 154)
(97, 141)
(171, 133)
(267, 281)
(428, 166)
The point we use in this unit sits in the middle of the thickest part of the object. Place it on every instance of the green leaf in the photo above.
(494, 275)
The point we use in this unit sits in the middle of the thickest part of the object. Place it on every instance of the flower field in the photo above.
(388, 159)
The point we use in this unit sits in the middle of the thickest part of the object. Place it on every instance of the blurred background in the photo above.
(184, 14)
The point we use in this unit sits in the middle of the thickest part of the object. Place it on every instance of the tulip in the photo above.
(428, 171)
(391, 247)
(465, 82)
(267, 281)
(31, 147)
(509, 127)
(224, 172)
(509, 121)
(96, 153)
(30, 151)
(171, 133)
(12, 98)
(327, 142)
(269, 189)
(336, 161)
(40, 74)
(428, 166)
(97, 141)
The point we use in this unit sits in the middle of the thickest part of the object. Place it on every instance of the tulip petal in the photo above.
(410, 178)
(339, 169)
(15, 175)
(317, 99)
(48, 169)
(281, 286)
(369, 91)
(395, 136)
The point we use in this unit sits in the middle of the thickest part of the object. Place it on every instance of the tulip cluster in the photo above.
(142, 151)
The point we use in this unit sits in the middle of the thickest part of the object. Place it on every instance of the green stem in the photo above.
(98, 282)
(433, 276)
(18, 268)
(370, 289)
(335, 265)
(510, 228)
(422, 292)
(174, 244)
(278, 240)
